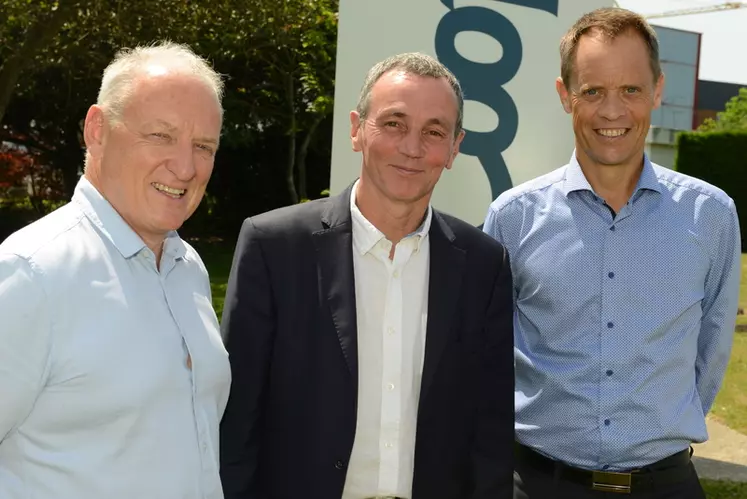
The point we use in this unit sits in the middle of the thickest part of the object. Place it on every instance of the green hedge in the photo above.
(719, 158)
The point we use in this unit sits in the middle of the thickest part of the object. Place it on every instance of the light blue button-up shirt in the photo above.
(97, 398)
(623, 324)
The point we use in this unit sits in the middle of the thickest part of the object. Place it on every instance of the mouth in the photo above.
(171, 192)
(612, 133)
(406, 171)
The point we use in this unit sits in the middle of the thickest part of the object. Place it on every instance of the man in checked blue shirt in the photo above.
(626, 278)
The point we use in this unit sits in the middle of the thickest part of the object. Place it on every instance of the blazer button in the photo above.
(339, 465)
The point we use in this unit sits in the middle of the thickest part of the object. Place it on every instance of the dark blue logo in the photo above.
(484, 82)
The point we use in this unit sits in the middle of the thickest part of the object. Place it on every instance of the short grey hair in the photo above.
(414, 63)
(129, 64)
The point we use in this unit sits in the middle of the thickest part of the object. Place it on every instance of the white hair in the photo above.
(129, 64)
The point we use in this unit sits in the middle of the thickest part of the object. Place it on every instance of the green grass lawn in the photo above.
(724, 489)
(742, 319)
(217, 257)
(730, 406)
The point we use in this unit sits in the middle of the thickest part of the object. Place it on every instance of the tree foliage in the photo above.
(733, 118)
(278, 59)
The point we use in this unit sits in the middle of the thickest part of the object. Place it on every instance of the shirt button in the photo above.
(390, 386)
(606, 467)
(609, 372)
(606, 422)
(612, 228)
(611, 275)
(388, 445)
(390, 330)
(610, 325)
(396, 274)
(339, 465)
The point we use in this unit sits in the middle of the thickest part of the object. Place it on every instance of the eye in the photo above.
(632, 90)
(435, 133)
(205, 148)
(160, 135)
(591, 92)
(391, 124)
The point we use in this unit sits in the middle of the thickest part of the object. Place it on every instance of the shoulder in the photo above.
(49, 238)
(532, 190)
(294, 219)
(467, 236)
(679, 183)
(193, 258)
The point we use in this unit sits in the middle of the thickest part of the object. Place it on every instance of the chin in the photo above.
(610, 158)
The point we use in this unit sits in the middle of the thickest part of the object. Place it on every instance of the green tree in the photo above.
(278, 59)
(733, 118)
(29, 26)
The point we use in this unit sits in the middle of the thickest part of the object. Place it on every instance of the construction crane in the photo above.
(697, 10)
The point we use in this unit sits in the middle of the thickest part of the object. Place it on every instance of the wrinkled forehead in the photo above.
(178, 95)
(601, 59)
(423, 96)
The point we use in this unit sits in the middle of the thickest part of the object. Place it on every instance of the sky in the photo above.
(723, 51)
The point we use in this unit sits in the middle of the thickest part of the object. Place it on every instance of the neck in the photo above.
(614, 183)
(394, 220)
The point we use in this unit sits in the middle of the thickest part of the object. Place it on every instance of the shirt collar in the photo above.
(366, 235)
(111, 224)
(575, 180)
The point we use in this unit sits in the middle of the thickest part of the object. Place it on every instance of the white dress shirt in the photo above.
(392, 312)
(97, 397)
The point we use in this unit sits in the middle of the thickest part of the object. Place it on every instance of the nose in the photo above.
(182, 162)
(411, 144)
(612, 107)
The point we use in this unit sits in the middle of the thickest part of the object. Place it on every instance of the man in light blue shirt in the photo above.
(626, 278)
(113, 376)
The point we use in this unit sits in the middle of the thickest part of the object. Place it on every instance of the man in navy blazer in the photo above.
(370, 336)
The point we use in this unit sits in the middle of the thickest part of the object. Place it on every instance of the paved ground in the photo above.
(723, 456)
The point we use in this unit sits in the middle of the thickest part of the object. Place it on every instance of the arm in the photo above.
(493, 451)
(719, 312)
(248, 328)
(24, 342)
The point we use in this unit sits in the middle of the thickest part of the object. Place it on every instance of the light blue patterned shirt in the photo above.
(623, 325)
(97, 397)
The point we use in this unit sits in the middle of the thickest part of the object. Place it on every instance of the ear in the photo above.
(455, 152)
(564, 94)
(658, 91)
(94, 130)
(355, 131)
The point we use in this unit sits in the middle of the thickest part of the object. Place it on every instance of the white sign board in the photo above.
(505, 55)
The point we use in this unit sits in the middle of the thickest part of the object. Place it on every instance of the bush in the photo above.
(719, 158)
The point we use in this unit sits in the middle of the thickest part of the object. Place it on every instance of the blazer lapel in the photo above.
(334, 248)
(446, 267)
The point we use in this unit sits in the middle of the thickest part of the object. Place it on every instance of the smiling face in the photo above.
(610, 97)
(153, 164)
(408, 137)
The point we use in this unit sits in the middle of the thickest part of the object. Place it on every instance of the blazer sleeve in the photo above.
(493, 448)
(248, 328)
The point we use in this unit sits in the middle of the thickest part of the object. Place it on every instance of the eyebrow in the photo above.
(401, 114)
(207, 140)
